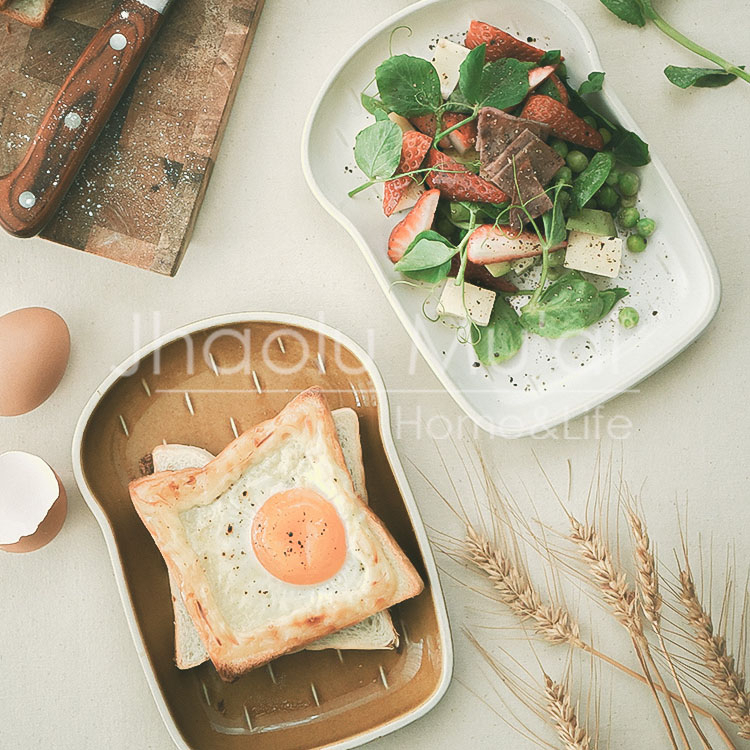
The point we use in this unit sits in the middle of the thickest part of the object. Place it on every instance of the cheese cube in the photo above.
(522, 265)
(594, 254)
(447, 61)
(478, 302)
(402, 122)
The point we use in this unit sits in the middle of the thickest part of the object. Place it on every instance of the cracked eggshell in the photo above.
(34, 351)
(33, 502)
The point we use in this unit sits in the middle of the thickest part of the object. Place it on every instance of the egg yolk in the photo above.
(299, 538)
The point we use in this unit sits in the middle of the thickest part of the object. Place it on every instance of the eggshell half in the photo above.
(33, 502)
(34, 352)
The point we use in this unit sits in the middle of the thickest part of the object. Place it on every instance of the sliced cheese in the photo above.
(594, 254)
(402, 122)
(478, 302)
(447, 61)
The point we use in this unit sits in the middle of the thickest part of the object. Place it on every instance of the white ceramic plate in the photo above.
(674, 284)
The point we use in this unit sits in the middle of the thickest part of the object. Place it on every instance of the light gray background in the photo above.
(69, 675)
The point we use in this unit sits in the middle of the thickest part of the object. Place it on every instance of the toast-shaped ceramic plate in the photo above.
(674, 284)
(201, 385)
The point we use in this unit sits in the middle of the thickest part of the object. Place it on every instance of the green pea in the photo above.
(628, 201)
(636, 243)
(564, 174)
(592, 202)
(607, 197)
(629, 317)
(613, 178)
(577, 161)
(564, 200)
(606, 135)
(589, 120)
(561, 147)
(628, 217)
(645, 227)
(629, 183)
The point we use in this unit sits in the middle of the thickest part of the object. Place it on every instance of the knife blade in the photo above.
(31, 194)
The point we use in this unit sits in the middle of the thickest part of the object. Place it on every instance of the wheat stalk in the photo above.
(515, 591)
(623, 601)
(728, 682)
(563, 716)
(612, 585)
(651, 606)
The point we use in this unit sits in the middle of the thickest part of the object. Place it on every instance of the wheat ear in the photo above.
(553, 624)
(621, 599)
(651, 605)
(728, 682)
(517, 593)
(563, 716)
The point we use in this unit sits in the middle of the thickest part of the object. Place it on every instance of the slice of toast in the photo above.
(31, 12)
(376, 632)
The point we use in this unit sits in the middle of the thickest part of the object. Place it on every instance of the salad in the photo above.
(518, 195)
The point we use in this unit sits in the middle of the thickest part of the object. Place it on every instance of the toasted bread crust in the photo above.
(160, 498)
(8, 8)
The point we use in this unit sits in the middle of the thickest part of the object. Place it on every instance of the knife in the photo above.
(33, 191)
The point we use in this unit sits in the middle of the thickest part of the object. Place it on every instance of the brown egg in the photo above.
(34, 351)
(33, 502)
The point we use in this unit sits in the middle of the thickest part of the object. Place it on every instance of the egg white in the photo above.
(220, 535)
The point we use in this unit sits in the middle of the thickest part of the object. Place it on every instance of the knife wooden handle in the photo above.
(30, 195)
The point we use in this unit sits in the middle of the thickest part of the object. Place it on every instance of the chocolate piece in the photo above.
(528, 192)
(496, 130)
(545, 161)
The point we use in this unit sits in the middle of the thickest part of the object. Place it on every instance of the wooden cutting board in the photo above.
(138, 195)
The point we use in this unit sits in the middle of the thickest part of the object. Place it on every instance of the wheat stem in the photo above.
(563, 716)
(651, 605)
(728, 682)
(621, 599)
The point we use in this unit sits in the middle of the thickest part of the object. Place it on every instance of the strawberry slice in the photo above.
(457, 183)
(537, 75)
(427, 124)
(500, 44)
(414, 148)
(564, 123)
(419, 219)
(463, 138)
(490, 244)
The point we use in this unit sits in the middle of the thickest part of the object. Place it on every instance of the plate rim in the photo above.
(412, 508)
(618, 386)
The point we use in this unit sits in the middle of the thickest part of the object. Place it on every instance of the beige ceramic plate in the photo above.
(198, 385)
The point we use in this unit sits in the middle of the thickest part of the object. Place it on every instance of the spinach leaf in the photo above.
(592, 178)
(610, 297)
(593, 84)
(371, 104)
(377, 149)
(502, 337)
(550, 57)
(504, 83)
(470, 74)
(408, 85)
(428, 258)
(548, 88)
(627, 147)
(567, 306)
(626, 10)
(709, 78)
